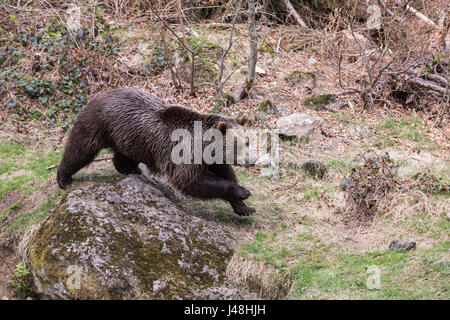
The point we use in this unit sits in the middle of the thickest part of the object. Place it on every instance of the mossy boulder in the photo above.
(127, 240)
(319, 102)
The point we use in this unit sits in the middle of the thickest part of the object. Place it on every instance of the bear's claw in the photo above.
(245, 211)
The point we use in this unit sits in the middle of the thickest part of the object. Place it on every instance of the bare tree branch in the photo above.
(242, 91)
(294, 13)
(230, 44)
(190, 52)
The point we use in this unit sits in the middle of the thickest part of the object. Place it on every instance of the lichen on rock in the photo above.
(127, 240)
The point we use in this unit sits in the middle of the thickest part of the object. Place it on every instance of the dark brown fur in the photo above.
(137, 126)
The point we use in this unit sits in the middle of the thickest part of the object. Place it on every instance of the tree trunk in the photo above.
(190, 53)
(242, 91)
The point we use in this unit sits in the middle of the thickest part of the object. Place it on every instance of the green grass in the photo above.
(41, 161)
(391, 131)
(322, 271)
(27, 219)
(338, 165)
(15, 183)
(11, 149)
(318, 192)
(25, 171)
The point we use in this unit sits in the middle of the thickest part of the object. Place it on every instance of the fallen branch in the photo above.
(425, 83)
(421, 16)
(294, 14)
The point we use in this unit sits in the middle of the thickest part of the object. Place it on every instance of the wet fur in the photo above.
(137, 127)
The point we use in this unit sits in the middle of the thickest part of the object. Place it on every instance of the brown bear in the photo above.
(138, 127)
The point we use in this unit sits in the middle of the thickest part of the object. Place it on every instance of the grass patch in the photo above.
(24, 170)
(41, 161)
(27, 219)
(392, 131)
(11, 150)
(322, 271)
(338, 165)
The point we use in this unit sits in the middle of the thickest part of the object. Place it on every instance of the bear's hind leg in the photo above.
(125, 165)
(74, 158)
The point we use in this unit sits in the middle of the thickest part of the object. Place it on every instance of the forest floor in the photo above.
(299, 244)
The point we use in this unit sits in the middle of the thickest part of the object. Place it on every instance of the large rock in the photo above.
(127, 240)
(300, 125)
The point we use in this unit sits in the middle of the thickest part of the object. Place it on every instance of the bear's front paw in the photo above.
(245, 211)
(64, 182)
(241, 193)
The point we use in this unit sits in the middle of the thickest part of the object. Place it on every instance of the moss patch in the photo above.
(319, 102)
(297, 77)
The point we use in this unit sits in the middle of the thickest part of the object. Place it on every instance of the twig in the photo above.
(168, 57)
(62, 21)
(190, 52)
(188, 48)
(242, 91)
(278, 45)
(230, 44)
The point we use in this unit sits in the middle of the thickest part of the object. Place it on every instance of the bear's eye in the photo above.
(247, 141)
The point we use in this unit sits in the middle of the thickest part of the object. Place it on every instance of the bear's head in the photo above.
(235, 141)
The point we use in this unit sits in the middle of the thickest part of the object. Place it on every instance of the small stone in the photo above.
(260, 71)
(312, 61)
(402, 245)
(300, 125)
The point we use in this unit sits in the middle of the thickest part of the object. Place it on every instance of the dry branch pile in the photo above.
(373, 186)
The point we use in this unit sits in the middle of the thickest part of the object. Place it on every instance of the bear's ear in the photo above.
(222, 126)
(242, 120)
